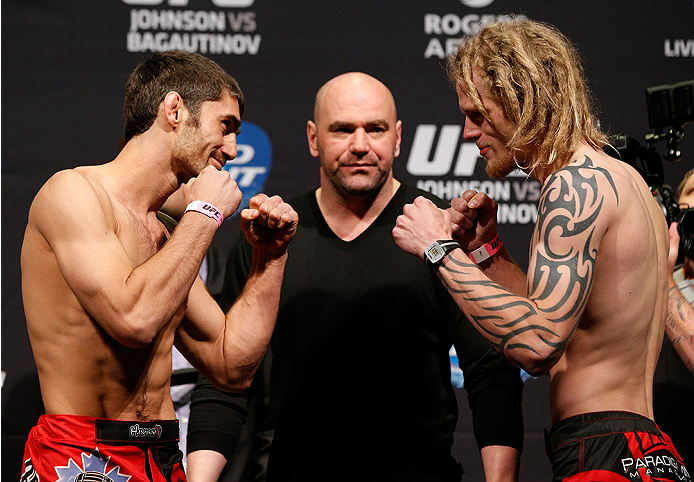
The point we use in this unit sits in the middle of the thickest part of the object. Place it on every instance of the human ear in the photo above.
(311, 134)
(173, 108)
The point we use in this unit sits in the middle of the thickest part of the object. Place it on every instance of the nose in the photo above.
(359, 142)
(471, 131)
(229, 147)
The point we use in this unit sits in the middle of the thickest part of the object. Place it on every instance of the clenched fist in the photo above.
(269, 224)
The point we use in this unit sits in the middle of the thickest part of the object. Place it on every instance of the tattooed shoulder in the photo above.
(584, 176)
(565, 245)
(573, 197)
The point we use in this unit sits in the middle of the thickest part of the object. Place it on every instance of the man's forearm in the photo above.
(513, 324)
(502, 269)
(679, 326)
(500, 463)
(251, 319)
(205, 466)
(134, 310)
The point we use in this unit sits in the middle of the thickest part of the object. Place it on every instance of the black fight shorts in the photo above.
(613, 447)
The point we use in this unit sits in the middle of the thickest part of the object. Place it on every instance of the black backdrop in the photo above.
(65, 63)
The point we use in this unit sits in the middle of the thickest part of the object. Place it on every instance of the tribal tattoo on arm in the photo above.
(534, 331)
(680, 326)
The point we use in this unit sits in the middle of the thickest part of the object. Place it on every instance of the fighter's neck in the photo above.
(542, 173)
(138, 179)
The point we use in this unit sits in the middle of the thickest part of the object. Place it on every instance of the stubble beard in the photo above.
(362, 185)
(186, 159)
(500, 168)
(346, 186)
(361, 189)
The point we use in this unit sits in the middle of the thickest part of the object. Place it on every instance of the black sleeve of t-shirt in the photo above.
(216, 419)
(493, 385)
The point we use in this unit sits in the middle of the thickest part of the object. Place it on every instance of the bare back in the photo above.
(83, 369)
(610, 359)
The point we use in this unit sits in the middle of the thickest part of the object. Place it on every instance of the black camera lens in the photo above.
(685, 228)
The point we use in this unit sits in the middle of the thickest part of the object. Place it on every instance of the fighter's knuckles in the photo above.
(278, 213)
(421, 201)
(258, 200)
(469, 194)
(485, 201)
(458, 204)
(284, 213)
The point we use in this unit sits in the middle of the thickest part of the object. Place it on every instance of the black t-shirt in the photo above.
(360, 380)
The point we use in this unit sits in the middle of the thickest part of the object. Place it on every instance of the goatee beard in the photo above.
(497, 171)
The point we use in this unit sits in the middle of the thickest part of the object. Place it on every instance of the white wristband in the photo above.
(207, 209)
(486, 251)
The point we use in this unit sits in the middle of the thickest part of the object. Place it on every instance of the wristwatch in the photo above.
(438, 250)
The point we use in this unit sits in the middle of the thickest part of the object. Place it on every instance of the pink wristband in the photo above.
(207, 209)
(486, 251)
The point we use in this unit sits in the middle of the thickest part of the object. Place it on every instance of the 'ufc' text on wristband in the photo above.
(486, 251)
(207, 209)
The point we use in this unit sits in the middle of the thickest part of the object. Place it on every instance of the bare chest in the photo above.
(141, 239)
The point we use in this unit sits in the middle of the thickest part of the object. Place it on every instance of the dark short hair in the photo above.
(195, 77)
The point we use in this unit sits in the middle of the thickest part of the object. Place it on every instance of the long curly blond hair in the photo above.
(534, 72)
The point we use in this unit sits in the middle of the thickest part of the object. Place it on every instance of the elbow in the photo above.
(537, 370)
(240, 384)
(133, 332)
(135, 339)
(230, 373)
(139, 341)
(536, 362)
(232, 382)
(240, 378)
(231, 378)
(130, 323)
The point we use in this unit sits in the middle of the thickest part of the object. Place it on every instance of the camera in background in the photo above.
(669, 108)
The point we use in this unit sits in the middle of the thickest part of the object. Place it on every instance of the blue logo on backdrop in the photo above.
(251, 167)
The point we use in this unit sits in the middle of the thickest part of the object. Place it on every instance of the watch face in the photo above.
(438, 250)
(434, 252)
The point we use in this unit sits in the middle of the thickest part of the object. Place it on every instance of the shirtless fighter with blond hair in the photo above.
(591, 310)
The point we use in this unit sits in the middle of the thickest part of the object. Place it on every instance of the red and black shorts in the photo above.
(66, 448)
(613, 447)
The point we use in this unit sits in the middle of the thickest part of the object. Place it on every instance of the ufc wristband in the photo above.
(486, 251)
(207, 209)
